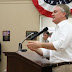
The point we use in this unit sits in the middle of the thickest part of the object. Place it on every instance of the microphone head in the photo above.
(45, 29)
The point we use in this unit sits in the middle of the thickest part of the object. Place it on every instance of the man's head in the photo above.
(45, 35)
(61, 12)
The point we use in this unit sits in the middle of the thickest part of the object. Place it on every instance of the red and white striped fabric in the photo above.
(45, 7)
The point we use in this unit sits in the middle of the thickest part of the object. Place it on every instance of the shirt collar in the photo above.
(61, 24)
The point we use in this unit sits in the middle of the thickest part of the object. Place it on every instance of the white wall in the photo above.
(18, 17)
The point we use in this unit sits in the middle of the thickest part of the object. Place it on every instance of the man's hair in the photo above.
(46, 32)
(65, 8)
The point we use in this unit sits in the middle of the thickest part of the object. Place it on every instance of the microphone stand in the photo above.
(20, 44)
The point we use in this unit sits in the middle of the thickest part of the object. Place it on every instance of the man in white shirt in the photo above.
(60, 45)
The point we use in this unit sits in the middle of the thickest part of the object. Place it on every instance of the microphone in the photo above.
(28, 36)
(34, 36)
(20, 44)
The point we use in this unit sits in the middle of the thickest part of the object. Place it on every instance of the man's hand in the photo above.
(33, 45)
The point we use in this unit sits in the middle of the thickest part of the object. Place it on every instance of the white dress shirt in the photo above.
(47, 52)
(62, 41)
(45, 40)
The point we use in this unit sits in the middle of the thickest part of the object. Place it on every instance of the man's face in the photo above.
(58, 15)
(45, 36)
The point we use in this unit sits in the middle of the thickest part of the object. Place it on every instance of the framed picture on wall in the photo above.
(6, 35)
(29, 32)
